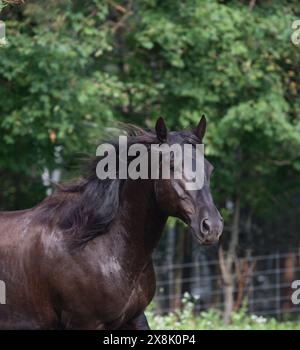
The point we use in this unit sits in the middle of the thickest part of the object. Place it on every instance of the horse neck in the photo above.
(141, 220)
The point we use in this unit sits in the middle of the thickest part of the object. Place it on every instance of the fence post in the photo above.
(278, 311)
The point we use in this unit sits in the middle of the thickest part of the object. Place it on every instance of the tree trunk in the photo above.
(169, 263)
(187, 270)
(178, 269)
(227, 264)
(244, 271)
(289, 275)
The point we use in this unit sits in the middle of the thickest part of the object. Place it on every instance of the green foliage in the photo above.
(187, 319)
(73, 67)
(52, 93)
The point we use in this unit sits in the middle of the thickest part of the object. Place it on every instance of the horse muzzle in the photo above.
(207, 231)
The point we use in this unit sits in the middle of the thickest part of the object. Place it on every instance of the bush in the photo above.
(212, 320)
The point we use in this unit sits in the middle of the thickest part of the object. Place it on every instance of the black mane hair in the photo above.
(85, 209)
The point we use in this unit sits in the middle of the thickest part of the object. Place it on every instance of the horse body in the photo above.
(81, 259)
(19, 270)
(103, 286)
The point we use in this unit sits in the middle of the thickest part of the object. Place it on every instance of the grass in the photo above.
(186, 319)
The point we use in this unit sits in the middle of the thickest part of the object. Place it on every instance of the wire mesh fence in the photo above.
(262, 283)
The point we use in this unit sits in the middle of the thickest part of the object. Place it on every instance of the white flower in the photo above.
(258, 319)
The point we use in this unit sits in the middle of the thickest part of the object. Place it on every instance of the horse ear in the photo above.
(201, 128)
(161, 129)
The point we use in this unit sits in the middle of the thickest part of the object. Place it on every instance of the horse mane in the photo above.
(86, 208)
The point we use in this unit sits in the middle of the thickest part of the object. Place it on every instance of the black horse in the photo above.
(81, 259)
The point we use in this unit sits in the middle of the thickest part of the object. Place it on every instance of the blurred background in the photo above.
(70, 69)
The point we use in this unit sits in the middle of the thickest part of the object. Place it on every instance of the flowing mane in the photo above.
(86, 208)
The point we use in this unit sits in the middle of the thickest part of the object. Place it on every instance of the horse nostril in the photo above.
(205, 226)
